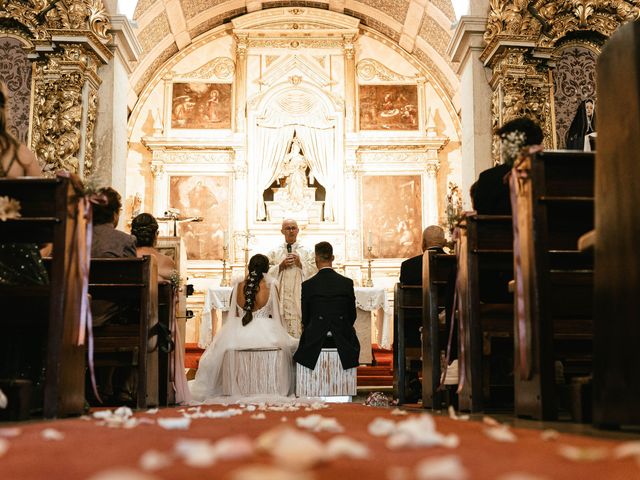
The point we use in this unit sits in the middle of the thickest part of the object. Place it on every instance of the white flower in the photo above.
(52, 434)
(441, 468)
(511, 145)
(9, 208)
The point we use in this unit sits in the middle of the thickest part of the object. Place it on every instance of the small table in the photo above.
(374, 317)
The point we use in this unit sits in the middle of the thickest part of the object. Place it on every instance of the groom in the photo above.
(328, 314)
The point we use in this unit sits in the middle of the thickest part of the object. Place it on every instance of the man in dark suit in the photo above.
(328, 314)
(411, 269)
(491, 194)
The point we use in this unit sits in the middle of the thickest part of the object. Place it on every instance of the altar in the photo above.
(374, 317)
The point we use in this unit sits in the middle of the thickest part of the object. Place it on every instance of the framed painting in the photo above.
(197, 105)
(205, 197)
(388, 107)
(392, 215)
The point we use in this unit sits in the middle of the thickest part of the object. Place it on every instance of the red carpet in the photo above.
(87, 448)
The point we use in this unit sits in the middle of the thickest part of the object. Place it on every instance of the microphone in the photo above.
(288, 248)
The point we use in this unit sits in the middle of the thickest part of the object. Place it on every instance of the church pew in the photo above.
(167, 318)
(616, 376)
(438, 270)
(131, 281)
(47, 317)
(485, 309)
(553, 194)
(407, 321)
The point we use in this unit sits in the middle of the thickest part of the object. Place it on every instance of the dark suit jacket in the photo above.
(411, 269)
(328, 304)
(492, 193)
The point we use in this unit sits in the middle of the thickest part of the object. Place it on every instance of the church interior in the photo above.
(214, 128)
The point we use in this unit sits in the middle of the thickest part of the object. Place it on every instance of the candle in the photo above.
(224, 239)
(370, 240)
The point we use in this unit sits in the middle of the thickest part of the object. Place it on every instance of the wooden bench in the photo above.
(48, 315)
(407, 308)
(328, 379)
(485, 267)
(554, 280)
(438, 270)
(131, 281)
(616, 357)
(167, 318)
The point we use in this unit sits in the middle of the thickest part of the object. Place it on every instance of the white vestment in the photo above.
(290, 284)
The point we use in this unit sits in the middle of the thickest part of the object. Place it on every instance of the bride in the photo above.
(253, 323)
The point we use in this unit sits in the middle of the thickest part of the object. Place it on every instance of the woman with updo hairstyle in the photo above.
(253, 323)
(145, 228)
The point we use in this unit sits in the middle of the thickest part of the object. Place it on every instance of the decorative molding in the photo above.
(296, 43)
(221, 68)
(369, 69)
(190, 156)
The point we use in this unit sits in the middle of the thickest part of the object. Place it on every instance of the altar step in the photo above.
(380, 375)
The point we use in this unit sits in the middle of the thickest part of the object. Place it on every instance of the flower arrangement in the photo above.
(9, 208)
(510, 145)
(175, 279)
(454, 211)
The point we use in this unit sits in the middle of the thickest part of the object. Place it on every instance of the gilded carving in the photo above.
(369, 69)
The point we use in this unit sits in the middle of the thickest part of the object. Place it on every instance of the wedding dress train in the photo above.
(264, 331)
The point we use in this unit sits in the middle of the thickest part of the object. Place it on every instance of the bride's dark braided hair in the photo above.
(258, 266)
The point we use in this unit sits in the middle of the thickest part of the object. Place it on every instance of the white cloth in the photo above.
(264, 331)
(290, 284)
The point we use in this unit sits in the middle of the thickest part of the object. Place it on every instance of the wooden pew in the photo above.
(485, 266)
(48, 314)
(616, 357)
(438, 269)
(166, 317)
(133, 281)
(407, 308)
(554, 281)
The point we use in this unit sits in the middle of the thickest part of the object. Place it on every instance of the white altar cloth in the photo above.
(374, 317)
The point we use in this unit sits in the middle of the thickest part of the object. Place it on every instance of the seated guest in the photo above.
(145, 228)
(411, 269)
(491, 194)
(107, 241)
(328, 314)
(111, 243)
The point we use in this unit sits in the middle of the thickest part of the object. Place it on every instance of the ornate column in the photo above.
(431, 188)
(71, 42)
(241, 206)
(241, 82)
(352, 215)
(350, 82)
(465, 49)
(159, 184)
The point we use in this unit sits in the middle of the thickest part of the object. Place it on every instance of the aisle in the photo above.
(79, 448)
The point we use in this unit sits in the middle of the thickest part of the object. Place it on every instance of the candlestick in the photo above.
(224, 239)
(225, 282)
(369, 282)
(370, 241)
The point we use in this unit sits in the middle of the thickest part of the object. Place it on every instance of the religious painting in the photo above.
(201, 105)
(388, 107)
(392, 215)
(574, 96)
(206, 198)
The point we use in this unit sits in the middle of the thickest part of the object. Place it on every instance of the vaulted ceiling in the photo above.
(420, 27)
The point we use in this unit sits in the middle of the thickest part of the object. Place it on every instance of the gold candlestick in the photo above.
(225, 282)
(369, 282)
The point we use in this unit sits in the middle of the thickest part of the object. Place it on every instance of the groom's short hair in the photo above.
(324, 251)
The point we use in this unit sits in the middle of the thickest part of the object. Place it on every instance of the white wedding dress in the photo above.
(264, 331)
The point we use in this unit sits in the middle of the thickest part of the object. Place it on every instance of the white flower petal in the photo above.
(441, 468)
(318, 423)
(52, 434)
(583, 454)
(549, 434)
(122, 474)
(401, 413)
(175, 423)
(233, 448)
(258, 416)
(381, 427)
(492, 422)
(154, 460)
(4, 446)
(10, 432)
(343, 446)
(196, 453)
(291, 448)
(500, 434)
(152, 411)
(267, 472)
(454, 416)
(627, 449)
